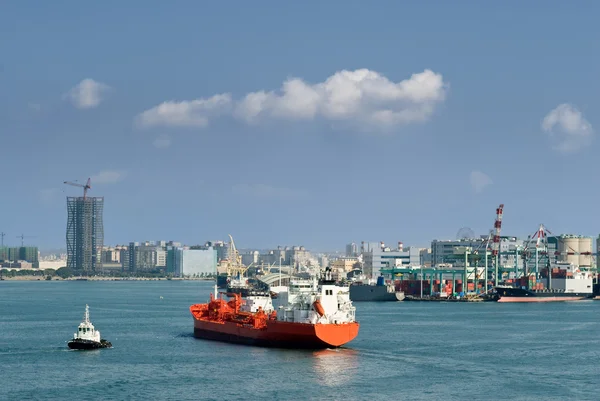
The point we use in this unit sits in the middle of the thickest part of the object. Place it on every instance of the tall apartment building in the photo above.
(85, 233)
(23, 253)
(351, 250)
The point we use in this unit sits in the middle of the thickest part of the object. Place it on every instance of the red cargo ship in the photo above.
(316, 316)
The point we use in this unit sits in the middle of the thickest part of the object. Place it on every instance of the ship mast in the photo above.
(86, 316)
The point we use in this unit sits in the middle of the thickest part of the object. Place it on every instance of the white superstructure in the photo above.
(255, 301)
(86, 330)
(311, 301)
(575, 280)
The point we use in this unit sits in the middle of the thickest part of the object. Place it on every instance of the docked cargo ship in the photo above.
(87, 337)
(313, 315)
(563, 282)
(234, 279)
(366, 292)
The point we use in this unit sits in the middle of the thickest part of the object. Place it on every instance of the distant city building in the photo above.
(323, 261)
(144, 256)
(352, 250)
(346, 264)
(445, 251)
(250, 258)
(297, 256)
(221, 247)
(12, 255)
(85, 233)
(426, 257)
(112, 254)
(186, 262)
(376, 256)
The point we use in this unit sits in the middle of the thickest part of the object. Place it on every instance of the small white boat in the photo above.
(87, 337)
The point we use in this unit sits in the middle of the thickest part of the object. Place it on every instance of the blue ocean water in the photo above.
(404, 351)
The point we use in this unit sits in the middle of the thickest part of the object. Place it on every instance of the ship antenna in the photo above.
(86, 317)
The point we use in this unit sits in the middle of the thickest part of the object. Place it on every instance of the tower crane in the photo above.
(23, 238)
(2, 234)
(85, 187)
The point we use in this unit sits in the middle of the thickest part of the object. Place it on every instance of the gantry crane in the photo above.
(85, 187)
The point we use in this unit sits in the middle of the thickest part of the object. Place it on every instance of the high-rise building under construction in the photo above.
(85, 233)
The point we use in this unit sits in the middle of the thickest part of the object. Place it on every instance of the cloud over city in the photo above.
(479, 181)
(568, 128)
(362, 96)
(87, 94)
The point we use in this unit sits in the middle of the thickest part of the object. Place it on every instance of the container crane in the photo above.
(85, 187)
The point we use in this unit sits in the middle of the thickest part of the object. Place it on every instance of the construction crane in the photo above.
(2, 234)
(85, 187)
(23, 238)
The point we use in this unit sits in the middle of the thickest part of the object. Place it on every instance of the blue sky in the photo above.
(445, 110)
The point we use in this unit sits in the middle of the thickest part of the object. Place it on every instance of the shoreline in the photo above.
(105, 278)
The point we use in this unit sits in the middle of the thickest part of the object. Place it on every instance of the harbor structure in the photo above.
(575, 249)
(85, 231)
(377, 256)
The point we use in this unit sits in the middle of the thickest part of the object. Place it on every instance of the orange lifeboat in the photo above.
(318, 307)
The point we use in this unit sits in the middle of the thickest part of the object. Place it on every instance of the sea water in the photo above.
(404, 350)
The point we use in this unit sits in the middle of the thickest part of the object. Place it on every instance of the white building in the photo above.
(195, 262)
(376, 256)
(161, 257)
(250, 258)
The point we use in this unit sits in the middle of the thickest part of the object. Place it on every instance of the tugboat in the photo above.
(87, 337)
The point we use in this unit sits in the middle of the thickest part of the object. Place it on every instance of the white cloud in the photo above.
(194, 113)
(479, 181)
(268, 192)
(568, 127)
(162, 142)
(87, 94)
(362, 96)
(107, 177)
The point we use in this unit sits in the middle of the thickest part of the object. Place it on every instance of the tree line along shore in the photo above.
(66, 274)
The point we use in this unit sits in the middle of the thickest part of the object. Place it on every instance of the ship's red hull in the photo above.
(539, 299)
(278, 334)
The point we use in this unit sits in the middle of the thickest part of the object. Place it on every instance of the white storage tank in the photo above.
(585, 246)
(568, 248)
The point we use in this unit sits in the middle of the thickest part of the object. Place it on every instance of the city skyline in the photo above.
(368, 125)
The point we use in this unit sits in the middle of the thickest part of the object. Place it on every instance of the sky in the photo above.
(300, 123)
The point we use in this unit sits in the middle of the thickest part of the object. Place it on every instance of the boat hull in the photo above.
(278, 334)
(511, 295)
(88, 344)
(374, 293)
